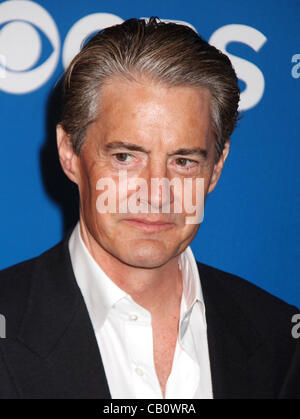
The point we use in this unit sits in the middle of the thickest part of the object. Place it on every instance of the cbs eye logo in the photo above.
(21, 25)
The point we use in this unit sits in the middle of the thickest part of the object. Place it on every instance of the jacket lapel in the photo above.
(56, 354)
(239, 365)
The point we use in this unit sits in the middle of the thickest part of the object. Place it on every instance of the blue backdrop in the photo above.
(251, 222)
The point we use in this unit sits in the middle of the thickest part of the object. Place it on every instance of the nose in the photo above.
(160, 195)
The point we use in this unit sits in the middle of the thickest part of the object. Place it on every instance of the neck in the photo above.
(158, 290)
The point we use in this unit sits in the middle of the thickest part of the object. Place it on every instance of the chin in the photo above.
(146, 255)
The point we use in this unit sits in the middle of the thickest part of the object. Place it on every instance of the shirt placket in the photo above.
(139, 347)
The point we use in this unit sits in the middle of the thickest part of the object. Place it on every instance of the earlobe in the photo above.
(67, 157)
(218, 167)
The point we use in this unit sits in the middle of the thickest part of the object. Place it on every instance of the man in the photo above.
(120, 308)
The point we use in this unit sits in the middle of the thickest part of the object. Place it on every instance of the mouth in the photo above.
(149, 226)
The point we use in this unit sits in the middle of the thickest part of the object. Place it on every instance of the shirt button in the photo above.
(133, 317)
(139, 371)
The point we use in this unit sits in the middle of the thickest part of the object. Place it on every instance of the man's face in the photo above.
(148, 131)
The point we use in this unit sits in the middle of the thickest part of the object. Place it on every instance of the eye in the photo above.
(183, 162)
(123, 157)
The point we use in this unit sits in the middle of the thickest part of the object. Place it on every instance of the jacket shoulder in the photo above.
(16, 283)
(269, 313)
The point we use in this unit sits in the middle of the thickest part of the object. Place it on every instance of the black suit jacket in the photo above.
(50, 349)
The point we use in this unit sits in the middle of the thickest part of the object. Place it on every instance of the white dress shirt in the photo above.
(124, 332)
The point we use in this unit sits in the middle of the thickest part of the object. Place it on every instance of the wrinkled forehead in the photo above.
(150, 112)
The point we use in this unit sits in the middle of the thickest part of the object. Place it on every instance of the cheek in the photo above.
(91, 172)
(88, 192)
(207, 175)
(194, 190)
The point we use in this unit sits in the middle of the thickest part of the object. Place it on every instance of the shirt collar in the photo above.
(100, 293)
(192, 290)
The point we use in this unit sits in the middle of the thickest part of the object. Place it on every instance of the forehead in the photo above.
(147, 110)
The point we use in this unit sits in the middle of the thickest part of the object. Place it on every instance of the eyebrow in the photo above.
(190, 152)
(134, 147)
(129, 146)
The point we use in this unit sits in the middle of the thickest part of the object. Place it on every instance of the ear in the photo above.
(69, 160)
(218, 167)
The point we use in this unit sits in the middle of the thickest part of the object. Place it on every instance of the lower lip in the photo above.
(148, 227)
